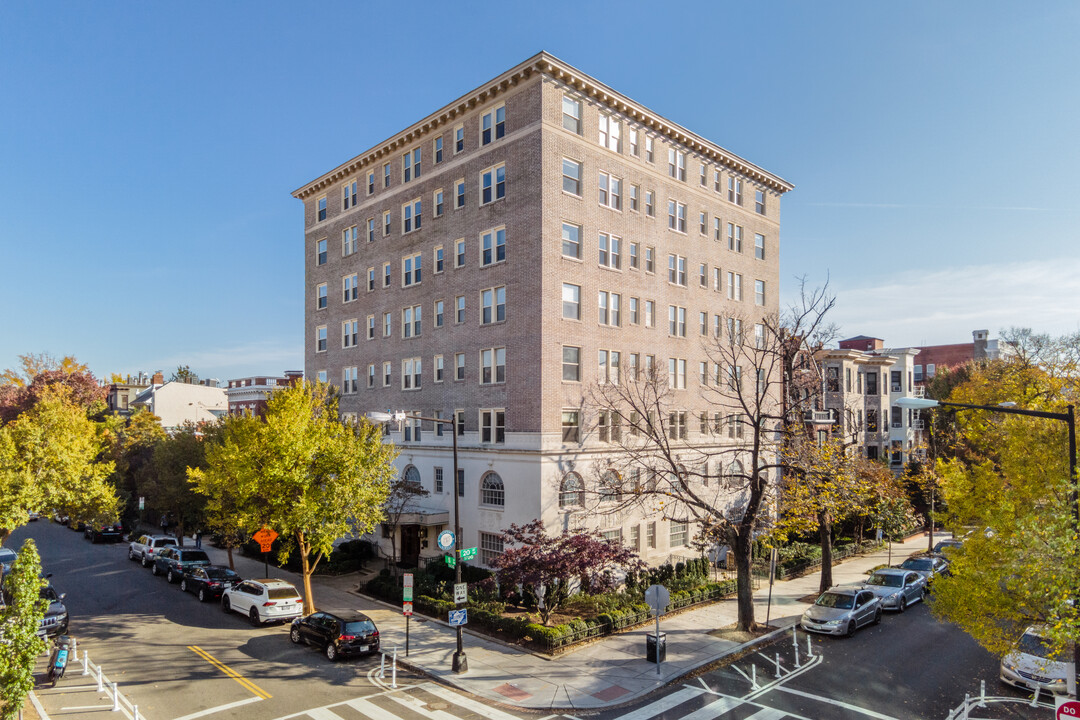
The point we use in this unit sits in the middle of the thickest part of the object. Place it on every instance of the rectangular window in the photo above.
(759, 202)
(734, 234)
(350, 288)
(320, 339)
(635, 191)
(491, 546)
(459, 368)
(571, 426)
(759, 292)
(320, 250)
(493, 125)
(410, 165)
(492, 366)
(676, 321)
(648, 148)
(386, 175)
(677, 164)
(371, 182)
(678, 534)
(348, 241)
(635, 150)
(492, 305)
(371, 230)
(703, 275)
(410, 216)
(634, 256)
(734, 286)
(703, 323)
(677, 270)
(650, 313)
(609, 135)
(437, 146)
(459, 309)
(439, 259)
(734, 190)
(371, 376)
(459, 194)
(438, 365)
(571, 301)
(634, 314)
(650, 535)
(677, 373)
(610, 251)
(349, 380)
(677, 425)
(716, 282)
(370, 279)
(322, 208)
(492, 246)
(676, 216)
(716, 228)
(704, 175)
(650, 204)
(438, 202)
(650, 265)
(370, 327)
(320, 292)
(608, 304)
(571, 240)
(703, 223)
(387, 373)
(410, 380)
(459, 139)
(438, 482)
(571, 114)
(571, 177)
(493, 430)
(439, 313)
(388, 323)
(410, 270)
(571, 363)
(410, 322)
(759, 246)
(386, 223)
(493, 184)
(610, 191)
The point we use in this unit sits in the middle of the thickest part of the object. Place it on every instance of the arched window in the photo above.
(411, 476)
(491, 490)
(572, 491)
(734, 475)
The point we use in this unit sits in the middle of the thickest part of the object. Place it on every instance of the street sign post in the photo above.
(406, 605)
(459, 617)
(460, 593)
(468, 553)
(406, 610)
(657, 597)
(450, 560)
(265, 537)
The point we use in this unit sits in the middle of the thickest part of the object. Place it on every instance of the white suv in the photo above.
(265, 600)
(146, 546)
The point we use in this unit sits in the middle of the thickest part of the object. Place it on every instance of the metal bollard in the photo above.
(982, 693)
(809, 648)
(794, 636)
(85, 662)
(777, 664)
(797, 656)
(753, 676)
(115, 698)
(74, 648)
(100, 684)
(382, 665)
(967, 699)
(134, 712)
(393, 671)
(1035, 697)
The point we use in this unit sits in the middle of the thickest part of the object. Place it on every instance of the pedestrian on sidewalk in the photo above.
(198, 539)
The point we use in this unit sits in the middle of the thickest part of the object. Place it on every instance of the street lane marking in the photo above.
(479, 708)
(781, 680)
(219, 708)
(768, 713)
(371, 710)
(837, 703)
(663, 704)
(244, 682)
(714, 709)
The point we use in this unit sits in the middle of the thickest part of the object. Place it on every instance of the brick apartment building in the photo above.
(501, 256)
(248, 395)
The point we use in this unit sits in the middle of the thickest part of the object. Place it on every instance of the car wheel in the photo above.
(131, 554)
(202, 594)
(331, 652)
(142, 561)
(154, 570)
(170, 577)
(225, 604)
(183, 586)
(902, 604)
(294, 634)
(254, 617)
(852, 626)
(877, 616)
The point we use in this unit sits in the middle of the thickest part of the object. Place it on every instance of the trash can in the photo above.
(656, 650)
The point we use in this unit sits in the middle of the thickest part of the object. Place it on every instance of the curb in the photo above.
(37, 706)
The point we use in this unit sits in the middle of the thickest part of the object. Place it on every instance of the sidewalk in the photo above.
(606, 672)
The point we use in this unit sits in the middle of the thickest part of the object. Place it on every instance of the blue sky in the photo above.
(148, 152)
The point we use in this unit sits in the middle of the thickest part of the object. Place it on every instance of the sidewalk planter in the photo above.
(656, 647)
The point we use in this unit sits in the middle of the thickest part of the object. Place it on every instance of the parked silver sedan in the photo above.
(926, 565)
(897, 588)
(841, 611)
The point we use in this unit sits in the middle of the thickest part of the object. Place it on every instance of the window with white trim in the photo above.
(571, 177)
(371, 182)
(410, 165)
(571, 114)
(320, 251)
(439, 259)
(491, 546)
(676, 321)
(370, 327)
(437, 147)
(371, 375)
(386, 223)
(411, 270)
(608, 307)
(493, 125)
(571, 301)
(349, 378)
(348, 240)
(609, 248)
(437, 364)
(387, 275)
(459, 309)
(677, 373)
(371, 230)
(759, 246)
(493, 305)
(320, 339)
(492, 246)
(678, 534)
(410, 322)
(610, 191)
(459, 253)
(459, 194)
(610, 135)
(677, 270)
(493, 430)
(650, 313)
(759, 292)
(650, 203)
(677, 164)
(411, 372)
(320, 292)
(734, 190)
(439, 313)
(388, 320)
(322, 208)
(571, 491)
(459, 370)
(648, 148)
(493, 184)
(677, 427)
(635, 150)
(438, 202)
(459, 138)
(571, 240)
(734, 286)
(387, 370)
(571, 363)
(608, 362)
(759, 202)
(410, 216)
(350, 288)
(676, 216)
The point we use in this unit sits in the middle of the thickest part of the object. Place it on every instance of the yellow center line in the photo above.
(244, 682)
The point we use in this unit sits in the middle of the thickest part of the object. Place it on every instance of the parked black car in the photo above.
(113, 532)
(173, 561)
(55, 621)
(208, 581)
(338, 633)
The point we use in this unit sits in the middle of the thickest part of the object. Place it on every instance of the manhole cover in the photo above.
(438, 705)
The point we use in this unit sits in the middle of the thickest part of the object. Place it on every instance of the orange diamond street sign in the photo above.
(265, 538)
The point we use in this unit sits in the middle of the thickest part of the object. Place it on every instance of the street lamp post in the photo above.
(1069, 418)
(460, 662)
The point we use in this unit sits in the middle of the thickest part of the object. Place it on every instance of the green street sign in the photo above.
(468, 553)
(450, 560)
(407, 593)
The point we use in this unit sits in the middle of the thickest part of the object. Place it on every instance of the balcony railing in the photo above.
(818, 417)
(920, 391)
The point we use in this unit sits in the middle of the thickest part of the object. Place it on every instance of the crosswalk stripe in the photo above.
(419, 706)
(367, 709)
(484, 711)
(323, 714)
(714, 709)
(768, 714)
(663, 704)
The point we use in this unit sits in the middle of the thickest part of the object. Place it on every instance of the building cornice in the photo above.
(544, 65)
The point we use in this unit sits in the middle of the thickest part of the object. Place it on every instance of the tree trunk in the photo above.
(742, 548)
(228, 550)
(305, 568)
(825, 534)
(180, 532)
(393, 550)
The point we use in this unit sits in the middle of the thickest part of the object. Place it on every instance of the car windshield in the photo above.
(7, 556)
(220, 573)
(886, 580)
(917, 564)
(47, 593)
(165, 541)
(282, 593)
(836, 600)
(360, 627)
(195, 556)
(1034, 645)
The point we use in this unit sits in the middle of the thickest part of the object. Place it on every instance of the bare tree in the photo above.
(751, 391)
(403, 494)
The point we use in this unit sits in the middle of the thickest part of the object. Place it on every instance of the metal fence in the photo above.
(785, 571)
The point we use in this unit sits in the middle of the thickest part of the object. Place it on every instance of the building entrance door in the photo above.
(410, 545)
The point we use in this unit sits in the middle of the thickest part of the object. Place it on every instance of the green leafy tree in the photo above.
(311, 477)
(1007, 483)
(168, 489)
(50, 458)
(131, 448)
(20, 619)
(184, 374)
